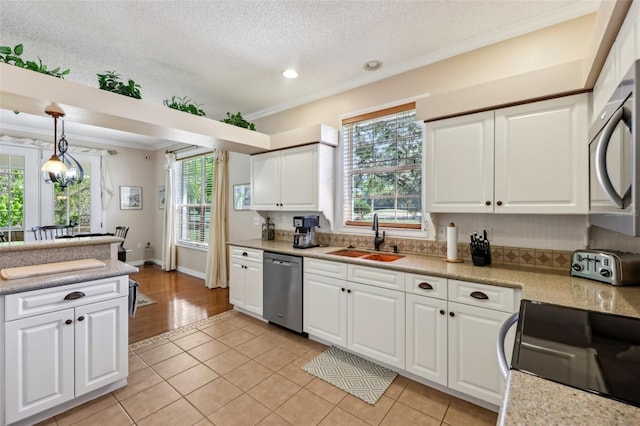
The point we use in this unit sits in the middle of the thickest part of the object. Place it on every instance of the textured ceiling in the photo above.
(229, 55)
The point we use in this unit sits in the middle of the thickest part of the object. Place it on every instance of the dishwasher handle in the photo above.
(279, 262)
(502, 335)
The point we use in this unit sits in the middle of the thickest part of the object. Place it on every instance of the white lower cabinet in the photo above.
(442, 330)
(427, 338)
(245, 279)
(375, 323)
(363, 318)
(473, 360)
(61, 354)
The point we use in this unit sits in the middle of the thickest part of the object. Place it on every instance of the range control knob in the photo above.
(605, 272)
(576, 267)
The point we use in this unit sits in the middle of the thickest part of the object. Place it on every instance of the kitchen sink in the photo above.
(361, 254)
(382, 257)
(350, 253)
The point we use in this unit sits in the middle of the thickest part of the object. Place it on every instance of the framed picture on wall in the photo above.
(130, 198)
(161, 197)
(241, 196)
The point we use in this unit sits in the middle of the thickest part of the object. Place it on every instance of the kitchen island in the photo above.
(528, 399)
(64, 337)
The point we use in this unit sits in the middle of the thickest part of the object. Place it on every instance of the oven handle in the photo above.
(502, 335)
(601, 160)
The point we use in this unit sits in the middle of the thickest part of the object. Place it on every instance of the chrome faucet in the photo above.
(376, 240)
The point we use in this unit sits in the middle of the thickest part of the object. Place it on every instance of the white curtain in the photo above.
(168, 230)
(216, 274)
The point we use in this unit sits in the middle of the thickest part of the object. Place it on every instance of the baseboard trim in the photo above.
(191, 272)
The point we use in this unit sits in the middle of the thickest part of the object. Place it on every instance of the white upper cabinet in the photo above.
(541, 157)
(294, 179)
(529, 158)
(460, 164)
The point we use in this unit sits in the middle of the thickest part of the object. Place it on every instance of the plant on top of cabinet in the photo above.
(110, 81)
(12, 57)
(184, 104)
(238, 120)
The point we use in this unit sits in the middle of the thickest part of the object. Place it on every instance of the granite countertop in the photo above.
(57, 243)
(548, 286)
(531, 400)
(112, 268)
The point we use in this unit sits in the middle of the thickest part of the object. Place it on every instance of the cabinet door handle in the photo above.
(81, 318)
(348, 290)
(342, 288)
(451, 314)
(68, 322)
(425, 286)
(499, 203)
(479, 295)
(488, 203)
(441, 311)
(75, 295)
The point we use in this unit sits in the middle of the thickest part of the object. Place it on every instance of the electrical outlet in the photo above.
(442, 233)
(256, 221)
(139, 245)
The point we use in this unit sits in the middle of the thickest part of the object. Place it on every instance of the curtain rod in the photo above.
(180, 149)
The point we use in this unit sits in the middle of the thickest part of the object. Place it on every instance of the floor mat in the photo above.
(361, 378)
(143, 300)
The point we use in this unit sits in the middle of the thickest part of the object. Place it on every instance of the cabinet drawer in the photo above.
(426, 285)
(486, 296)
(376, 276)
(29, 303)
(252, 255)
(325, 268)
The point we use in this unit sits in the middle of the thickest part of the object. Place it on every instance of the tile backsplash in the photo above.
(513, 256)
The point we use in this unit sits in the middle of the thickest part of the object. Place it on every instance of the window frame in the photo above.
(178, 206)
(402, 230)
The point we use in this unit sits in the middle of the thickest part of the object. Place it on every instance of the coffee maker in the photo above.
(305, 234)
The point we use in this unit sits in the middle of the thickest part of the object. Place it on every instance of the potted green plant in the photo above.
(184, 104)
(110, 81)
(13, 57)
(238, 120)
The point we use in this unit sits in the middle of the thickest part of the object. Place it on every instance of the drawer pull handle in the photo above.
(68, 322)
(244, 253)
(479, 295)
(425, 286)
(81, 318)
(75, 295)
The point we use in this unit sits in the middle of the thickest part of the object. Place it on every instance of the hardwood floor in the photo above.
(180, 299)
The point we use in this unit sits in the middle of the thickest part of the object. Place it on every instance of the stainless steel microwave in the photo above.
(614, 159)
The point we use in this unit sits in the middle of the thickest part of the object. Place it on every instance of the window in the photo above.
(193, 185)
(383, 168)
(73, 203)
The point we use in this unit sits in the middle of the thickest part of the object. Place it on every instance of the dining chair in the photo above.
(50, 232)
(121, 231)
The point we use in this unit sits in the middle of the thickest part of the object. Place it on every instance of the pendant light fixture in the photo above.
(74, 174)
(54, 166)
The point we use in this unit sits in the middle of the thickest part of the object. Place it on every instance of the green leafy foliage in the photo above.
(238, 120)
(110, 81)
(13, 57)
(184, 104)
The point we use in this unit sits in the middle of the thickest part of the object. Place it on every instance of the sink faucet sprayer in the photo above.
(377, 240)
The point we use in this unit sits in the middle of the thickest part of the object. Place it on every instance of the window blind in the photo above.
(193, 188)
(383, 168)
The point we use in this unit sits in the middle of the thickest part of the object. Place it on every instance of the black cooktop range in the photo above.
(588, 350)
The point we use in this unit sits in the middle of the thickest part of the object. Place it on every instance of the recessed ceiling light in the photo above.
(289, 73)
(372, 65)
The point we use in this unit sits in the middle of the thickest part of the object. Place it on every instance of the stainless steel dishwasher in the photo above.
(282, 290)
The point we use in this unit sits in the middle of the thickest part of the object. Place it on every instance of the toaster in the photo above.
(611, 267)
